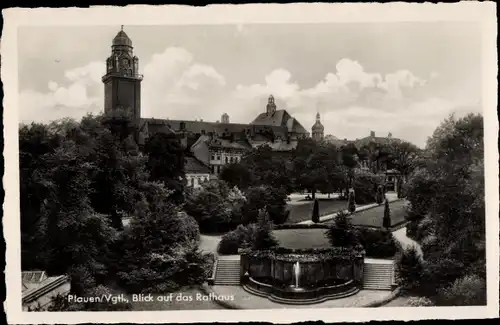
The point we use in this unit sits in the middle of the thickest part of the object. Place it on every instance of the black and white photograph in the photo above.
(269, 165)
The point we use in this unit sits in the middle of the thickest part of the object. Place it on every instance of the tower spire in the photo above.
(121, 28)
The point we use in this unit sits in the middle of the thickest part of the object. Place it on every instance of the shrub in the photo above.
(411, 229)
(351, 204)
(377, 243)
(469, 290)
(439, 273)
(386, 221)
(341, 233)
(263, 237)
(241, 237)
(315, 213)
(409, 269)
(209, 264)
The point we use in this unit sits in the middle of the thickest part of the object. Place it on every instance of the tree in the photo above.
(448, 188)
(315, 212)
(317, 167)
(215, 206)
(387, 215)
(160, 247)
(351, 204)
(236, 174)
(265, 167)
(273, 200)
(403, 156)
(166, 163)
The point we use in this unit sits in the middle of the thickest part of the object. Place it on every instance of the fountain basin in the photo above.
(325, 273)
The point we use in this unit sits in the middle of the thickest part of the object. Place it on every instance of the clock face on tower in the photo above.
(125, 63)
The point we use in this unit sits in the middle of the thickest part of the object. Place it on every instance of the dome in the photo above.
(318, 127)
(122, 39)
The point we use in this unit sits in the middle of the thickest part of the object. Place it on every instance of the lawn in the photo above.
(303, 211)
(373, 217)
(302, 238)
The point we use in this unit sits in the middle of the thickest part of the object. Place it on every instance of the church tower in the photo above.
(122, 81)
(318, 130)
(271, 106)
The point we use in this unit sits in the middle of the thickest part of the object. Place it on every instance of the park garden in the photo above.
(79, 180)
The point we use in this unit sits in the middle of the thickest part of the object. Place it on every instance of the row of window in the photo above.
(227, 159)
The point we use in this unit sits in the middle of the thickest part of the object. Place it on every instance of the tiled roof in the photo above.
(194, 166)
(224, 143)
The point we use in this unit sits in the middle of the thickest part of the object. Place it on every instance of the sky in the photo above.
(403, 78)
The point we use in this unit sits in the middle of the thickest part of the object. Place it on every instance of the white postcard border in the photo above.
(244, 14)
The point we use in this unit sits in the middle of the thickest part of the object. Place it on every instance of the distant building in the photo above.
(213, 144)
(39, 289)
(318, 130)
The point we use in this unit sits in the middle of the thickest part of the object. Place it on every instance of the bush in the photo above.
(409, 269)
(341, 233)
(263, 238)
(467, 291)
(241, 237)
(377, 243)
(439, 273)
(315, 213)
(411, 229)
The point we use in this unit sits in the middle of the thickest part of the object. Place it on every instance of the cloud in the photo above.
(350, 84)
(176, 87)
(351, 100)
(82, 94)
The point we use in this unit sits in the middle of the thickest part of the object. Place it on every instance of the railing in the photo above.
(118, 74)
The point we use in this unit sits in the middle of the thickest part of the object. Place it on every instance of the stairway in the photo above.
(378, 276)
(227, 272)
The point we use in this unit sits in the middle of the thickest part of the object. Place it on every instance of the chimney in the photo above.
(372, 134)
(389, 135)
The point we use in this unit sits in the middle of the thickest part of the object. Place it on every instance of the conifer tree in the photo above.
(315, 213)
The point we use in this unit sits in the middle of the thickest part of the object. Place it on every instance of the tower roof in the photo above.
(318, 126)
(122, 39)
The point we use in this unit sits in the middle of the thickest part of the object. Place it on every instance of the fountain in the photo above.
(296, 271)
(302, 275)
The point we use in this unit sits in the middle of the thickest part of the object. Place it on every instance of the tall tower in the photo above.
(271, 106)
(225, 118)
(318, 130)
(122, 81)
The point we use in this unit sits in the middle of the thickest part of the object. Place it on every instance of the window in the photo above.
(192, 182)
(218, 157)
(227, 160)
(213, 157)
(203, 132)
(231, 160)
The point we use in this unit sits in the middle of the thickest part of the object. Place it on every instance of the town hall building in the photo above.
(211, 144)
